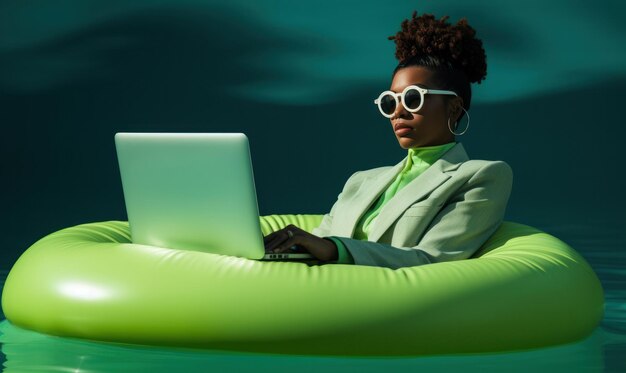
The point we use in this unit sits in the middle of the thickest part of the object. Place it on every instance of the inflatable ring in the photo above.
(523, 289)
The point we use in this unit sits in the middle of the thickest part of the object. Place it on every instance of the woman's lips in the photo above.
(402, 130)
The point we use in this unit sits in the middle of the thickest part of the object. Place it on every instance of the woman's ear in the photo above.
(455, 108)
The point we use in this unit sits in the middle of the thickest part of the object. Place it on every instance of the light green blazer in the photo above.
(444, 214)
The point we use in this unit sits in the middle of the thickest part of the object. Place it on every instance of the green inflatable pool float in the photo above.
(523, 289)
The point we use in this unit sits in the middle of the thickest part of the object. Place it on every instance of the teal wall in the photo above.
(299, 78)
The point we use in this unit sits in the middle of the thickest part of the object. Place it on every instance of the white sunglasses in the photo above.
(412, 98)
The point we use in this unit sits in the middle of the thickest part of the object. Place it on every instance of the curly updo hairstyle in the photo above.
(452, 52)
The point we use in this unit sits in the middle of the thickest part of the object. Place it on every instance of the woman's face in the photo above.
(428, 126)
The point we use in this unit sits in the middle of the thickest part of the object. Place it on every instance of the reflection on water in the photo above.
(602, 351)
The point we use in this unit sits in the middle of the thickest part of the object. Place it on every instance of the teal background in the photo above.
(299, 79)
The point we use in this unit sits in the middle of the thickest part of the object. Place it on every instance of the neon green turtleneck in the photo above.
(417, 161)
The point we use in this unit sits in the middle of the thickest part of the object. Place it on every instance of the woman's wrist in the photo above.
(332, 249)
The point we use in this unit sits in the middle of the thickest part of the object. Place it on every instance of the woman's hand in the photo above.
(282, 240)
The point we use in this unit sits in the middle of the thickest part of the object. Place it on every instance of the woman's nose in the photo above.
(399, 111)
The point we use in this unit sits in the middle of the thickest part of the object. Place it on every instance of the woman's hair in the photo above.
(452, 52)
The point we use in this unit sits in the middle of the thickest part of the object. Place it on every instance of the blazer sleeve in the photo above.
(472, 214)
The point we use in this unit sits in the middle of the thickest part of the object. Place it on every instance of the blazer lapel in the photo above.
(421, 186)
(366, 195)
(417, 189)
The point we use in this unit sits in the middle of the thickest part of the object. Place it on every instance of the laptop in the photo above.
(193, 191)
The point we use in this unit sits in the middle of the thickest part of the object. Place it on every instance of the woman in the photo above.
(436, 204)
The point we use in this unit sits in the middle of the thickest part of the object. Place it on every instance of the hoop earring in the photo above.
(466, 127)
